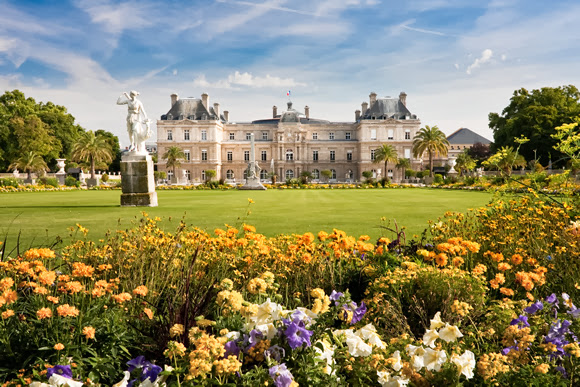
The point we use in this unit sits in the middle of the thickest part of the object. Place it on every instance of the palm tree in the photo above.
(432, 140)
(464, 162)
(386, 153)
(92, 149)
(403, 163)
(30, 162)
(173, 155)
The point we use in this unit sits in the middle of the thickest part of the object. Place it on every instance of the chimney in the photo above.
(216, 109)
(365, 107)
(274, 111)
(372, 98)
(174, 98)
(357, 115)
(205, 101)
(403, 98)
(227, 115)
(307, 111)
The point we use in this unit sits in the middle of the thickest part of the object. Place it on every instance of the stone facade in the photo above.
(287, 143)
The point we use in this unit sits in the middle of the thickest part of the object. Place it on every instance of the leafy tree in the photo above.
(305, 176)
(431, 140)
(504, 160)
(92, 149)
(209, 174)
(386, 153)
(535, 115)
(173, 156)
(62, 126)
(33, 135)
(115, 147)
(464, 162)
(368, 175)
(479, 152)
(403, 164)
(326, 173)
(30, 162)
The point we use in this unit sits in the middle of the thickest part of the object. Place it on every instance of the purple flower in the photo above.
(296, 334)
(334, 296)
(575, 313)
(299, 315)
(275, 352)
(536, 306)
(358, 313)
(281, 375)
(138, 362)
(552, 299)
(62, 370)
(148, 370)
(255, 336)
(521, 321)
(232, 349)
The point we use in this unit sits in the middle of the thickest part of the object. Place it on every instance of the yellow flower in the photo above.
(542, 368)
(149, 313)
(89, 332)
(250, 201)
(317, 293)
(176, 330)
(141, 291)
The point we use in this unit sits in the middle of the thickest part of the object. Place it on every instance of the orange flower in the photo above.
(248, 228)
(67, 311)
(7, 314)
(141, 290)
(120, 298)
(457, 261)
(43, 313)
(441, 259)
(149, 313)
(507, 292)
(322, 235)
(517, 259)
(82, 270)
(9, 297)
(503, 266)
(89, 332)
(47, 277)
(74, 287)
(6, 283)
(40, 290)
(59, 347)
(52, 299)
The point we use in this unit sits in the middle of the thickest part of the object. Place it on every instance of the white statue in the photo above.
(138, 125)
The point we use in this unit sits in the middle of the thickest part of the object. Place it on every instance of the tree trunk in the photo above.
(92, 167)
(430, 164)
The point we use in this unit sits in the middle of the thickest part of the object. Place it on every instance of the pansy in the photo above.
(62, 370)
(521, 321)
(296, 334)
(281, 375)
(535, 307)
(275, 352)
(334, 296)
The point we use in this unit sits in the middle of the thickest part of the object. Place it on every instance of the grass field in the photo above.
(39, 217)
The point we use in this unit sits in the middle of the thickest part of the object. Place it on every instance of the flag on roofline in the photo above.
(288, 93)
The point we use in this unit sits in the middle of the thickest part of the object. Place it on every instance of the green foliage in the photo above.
(49, 181)
(410, 172)
(113, 142)
(104, 178)
(535, 115)
(9, 182)
(209, 174)
(464, 162)
(479, 152)
(386, 153)
(70, 181)
(430, 140)
(368, 175)
(327, 173)
(173, 156)
(92, 149)
(438, 178)
(505, 160)
(30, 162)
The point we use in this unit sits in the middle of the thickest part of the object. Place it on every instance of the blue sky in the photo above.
(457, 60)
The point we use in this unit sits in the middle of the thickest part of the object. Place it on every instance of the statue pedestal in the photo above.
(253, 184)
(61, 178)
(137, 181)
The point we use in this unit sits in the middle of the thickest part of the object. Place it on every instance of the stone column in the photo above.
(137, 181)
(61, 174)
(253, 170)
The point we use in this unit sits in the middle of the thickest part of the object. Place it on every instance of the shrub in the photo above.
(9, 182)
(385, 181)
(410, 172)
(104, 178)
(70, 181)
(49, 181)
(437, 179)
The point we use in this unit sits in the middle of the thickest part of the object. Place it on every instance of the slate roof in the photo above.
(466, 136)
(190, 109)
(385, 108)
(290, 115)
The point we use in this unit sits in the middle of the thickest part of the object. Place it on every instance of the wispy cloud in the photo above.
(406, 25)
(484, 58)
(268, 6)
(115, 18)
(246, 79)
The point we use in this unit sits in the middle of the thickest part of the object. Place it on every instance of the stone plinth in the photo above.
(252, 184)
(137, 181)
(61, 177)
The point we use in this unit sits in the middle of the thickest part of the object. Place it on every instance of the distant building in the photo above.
(288, 143)
(463, 138)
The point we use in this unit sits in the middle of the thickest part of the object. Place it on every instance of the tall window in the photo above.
(246, 155)
(264, 155)
(248, 136)
(289, 155)
(289, 174)
(232, 136)
(407, 134)
(331, 136)
(229, 174)
(372, 154)
(349, 155)
(204, 135)
(186, 134)
(204, 155)
(332, 155)
(390, 134)
(188, 174)
(315, 174)
(263, 174)
(203, 175)
(187, 155)
(315, 155)
(347, 136)
(315, 136)
(169, 135)
(373, 134)
(407, 153)
(264, 135)
(230, 156)
(333, 174)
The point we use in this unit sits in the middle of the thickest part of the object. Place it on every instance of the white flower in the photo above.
(436, 321)
(267, 312)
(233, 335)
(369, 333)
(385, 380)
(465, 363)
(59, 380)
(450, 333)
(416, 354)
(429, 338)
(433, 360)
(357, 347)
(397, 365)
(124, 382)
(326, 354)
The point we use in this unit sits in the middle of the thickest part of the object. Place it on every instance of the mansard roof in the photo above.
(385, 108)
(466, 136)
(291, 115)
(190, 109)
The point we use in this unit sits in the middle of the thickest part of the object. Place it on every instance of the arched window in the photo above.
(263, 174)
(229, 174)
(349, 174)
(289, 174)
(289, 155)
(203, 175)
(188, 174)
(333, 174)
(315, 174)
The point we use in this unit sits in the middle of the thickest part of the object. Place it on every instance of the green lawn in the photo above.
(40, 217)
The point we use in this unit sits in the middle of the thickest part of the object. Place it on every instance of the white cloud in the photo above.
(174, 72)
(268, 6)
(503, 57)
(246, 79)
(115, 18)
(456, 65)
(485, 57)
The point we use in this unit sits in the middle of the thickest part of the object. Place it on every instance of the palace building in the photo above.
(288, 143)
